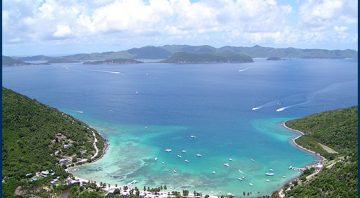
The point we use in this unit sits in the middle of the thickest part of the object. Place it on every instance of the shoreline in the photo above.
(280, 190)
(320, 158)
(94, 158)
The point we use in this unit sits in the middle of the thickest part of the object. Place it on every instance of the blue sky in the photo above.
(57, 27)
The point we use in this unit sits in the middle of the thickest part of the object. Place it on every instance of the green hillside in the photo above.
(8, 61)
(113, 61)
(186, 58)
(337, 130)
(166, 51)
(35, 138)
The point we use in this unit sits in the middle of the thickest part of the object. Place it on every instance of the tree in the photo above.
(116, 191)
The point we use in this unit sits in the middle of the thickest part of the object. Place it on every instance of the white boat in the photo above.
(230, 159)
(213, 172)
(240, 178)
(183, 151)
(163, 162)
(179, 156)
(187, 161)
(168, 150)
(284, 176)
(192, 136)
(251, 184)
(269, 174)
(174, 171)
(156, 158)
(226, 164)
(268, 180)
(290, 167)
(271, 169)
(198, 155)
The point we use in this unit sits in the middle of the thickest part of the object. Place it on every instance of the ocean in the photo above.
(230, 114)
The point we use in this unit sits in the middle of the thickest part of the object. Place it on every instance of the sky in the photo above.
(60, 27)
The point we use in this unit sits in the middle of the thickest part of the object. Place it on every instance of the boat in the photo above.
(251, 184)
(290, 167)
(179, 156)
(226, 164)
(269, 174)
(284, 176)
(268, 180)
(240, 178)
(168, 150)
(271, 169)
(187, 161)
(213, 172)
(230, 159)
(183, 151)
(174, 171)
(156, 158)
(192, 136)
(163, 162)
(198, 155)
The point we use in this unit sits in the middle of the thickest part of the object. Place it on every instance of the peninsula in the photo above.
(331, 134)
(39, 144)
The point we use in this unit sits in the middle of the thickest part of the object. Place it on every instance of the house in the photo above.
(44, 173)
(64, 161)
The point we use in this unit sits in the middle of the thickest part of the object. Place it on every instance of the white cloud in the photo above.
(62, 31)
(235, 20)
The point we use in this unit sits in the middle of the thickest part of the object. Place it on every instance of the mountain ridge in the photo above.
(166, 51)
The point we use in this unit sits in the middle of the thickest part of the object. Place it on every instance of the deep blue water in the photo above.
(151, 106)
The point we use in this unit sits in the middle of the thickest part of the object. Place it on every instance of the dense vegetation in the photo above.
(113, 61)
(338, 130)
(29, 143)
(163, 52)
(185, 57)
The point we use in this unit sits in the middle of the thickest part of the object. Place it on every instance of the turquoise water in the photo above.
(144, 109)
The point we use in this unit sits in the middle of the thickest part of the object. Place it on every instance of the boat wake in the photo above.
(312, 96)
(105, 71)
(268, 104)
(243, 69)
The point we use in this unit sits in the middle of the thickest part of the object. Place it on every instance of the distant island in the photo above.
(196, 58)
(274, 58)
(191, 54)
(333, 135)
(8, 61)
(112, 61)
